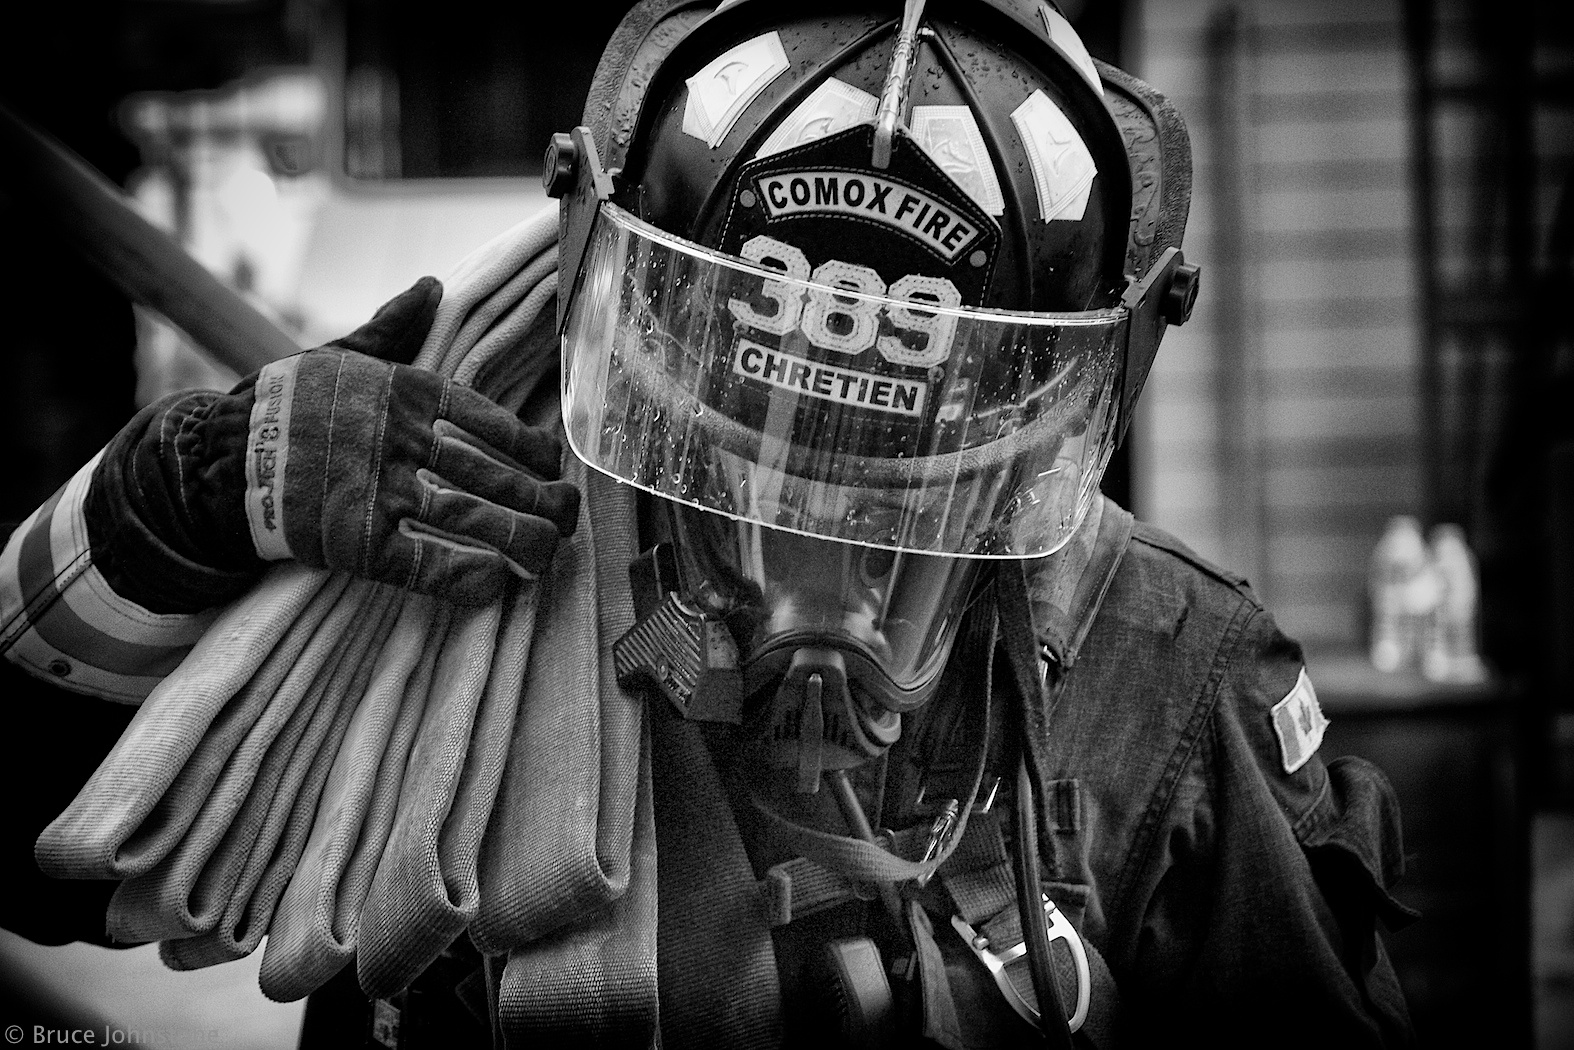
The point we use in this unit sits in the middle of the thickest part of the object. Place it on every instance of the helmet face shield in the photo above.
(825, 402)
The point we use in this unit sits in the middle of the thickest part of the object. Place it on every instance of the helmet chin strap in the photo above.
(813, 723)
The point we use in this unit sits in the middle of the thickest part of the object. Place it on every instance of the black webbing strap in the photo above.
(1036, 693)
(866, 862)
(799, 887)
(979, 882)
(1052, 1020)
(1047, 608)
(713, 943)
(1065, 590)
(1026, 660)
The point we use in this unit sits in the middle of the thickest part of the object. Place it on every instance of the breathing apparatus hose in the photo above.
(1041, 963)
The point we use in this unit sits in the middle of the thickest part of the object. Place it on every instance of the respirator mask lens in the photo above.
(892, 613)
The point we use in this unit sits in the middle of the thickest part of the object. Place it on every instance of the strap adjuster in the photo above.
(996, 962)
(931, 803)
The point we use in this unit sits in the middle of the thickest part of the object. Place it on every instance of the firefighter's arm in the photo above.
(1264, 927)
(340, 457)
(52, 743)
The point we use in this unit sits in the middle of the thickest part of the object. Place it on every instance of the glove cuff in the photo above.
(163, 520)
(267, 458)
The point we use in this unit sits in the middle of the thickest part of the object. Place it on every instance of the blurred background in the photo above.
(1368, 415)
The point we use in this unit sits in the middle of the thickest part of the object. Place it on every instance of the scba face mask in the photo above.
(856, 310)
(839, 639)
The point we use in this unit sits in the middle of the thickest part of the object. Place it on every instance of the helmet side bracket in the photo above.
(1161, 297)
(573, 173)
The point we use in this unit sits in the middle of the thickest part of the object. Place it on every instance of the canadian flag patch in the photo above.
(1299, 722)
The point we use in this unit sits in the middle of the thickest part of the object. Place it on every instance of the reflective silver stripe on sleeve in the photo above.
(60, 619)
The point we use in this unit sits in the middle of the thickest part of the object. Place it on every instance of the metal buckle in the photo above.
(930, 805)
(946, 811)
(1060, 928)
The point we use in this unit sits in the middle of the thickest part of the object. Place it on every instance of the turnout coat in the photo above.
(1232, 880)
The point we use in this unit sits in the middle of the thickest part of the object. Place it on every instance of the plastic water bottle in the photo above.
(1450, 653)
(1400, 585)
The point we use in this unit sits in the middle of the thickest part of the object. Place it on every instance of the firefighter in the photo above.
(860, 299)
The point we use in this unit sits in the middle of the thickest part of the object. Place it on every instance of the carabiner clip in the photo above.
(1021, 997)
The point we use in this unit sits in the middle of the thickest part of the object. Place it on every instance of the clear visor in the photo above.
(827, 403)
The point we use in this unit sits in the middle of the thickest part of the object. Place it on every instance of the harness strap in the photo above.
(1065, 590)
(861, 861)
(713, 943)
(979, 883)
(1047, 608)
(940, 1021)
(799, 887)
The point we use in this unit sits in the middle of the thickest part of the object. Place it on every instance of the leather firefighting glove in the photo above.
(342, 457)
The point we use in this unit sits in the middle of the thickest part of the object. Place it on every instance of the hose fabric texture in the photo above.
(363, 773)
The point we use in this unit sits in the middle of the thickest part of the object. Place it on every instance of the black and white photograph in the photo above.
(709, 524)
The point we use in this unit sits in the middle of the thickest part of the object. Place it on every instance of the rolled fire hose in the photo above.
(179, 810)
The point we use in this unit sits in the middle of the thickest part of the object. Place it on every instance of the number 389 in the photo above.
(847, 324)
